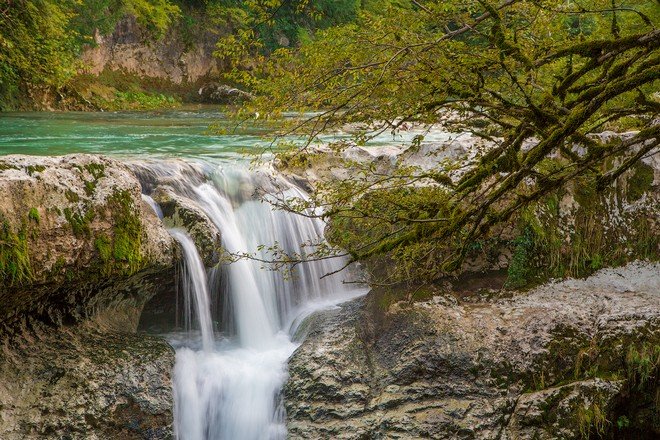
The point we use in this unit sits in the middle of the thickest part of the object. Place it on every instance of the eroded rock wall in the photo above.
(130, 48)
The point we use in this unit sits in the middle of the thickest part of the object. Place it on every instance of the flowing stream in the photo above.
(227, 380)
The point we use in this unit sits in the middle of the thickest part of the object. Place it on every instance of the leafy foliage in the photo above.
(259, 27)
(35, 44)
(40, 39)
(534, 78)
(154, 15)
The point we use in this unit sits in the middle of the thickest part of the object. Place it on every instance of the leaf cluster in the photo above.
(534, 78)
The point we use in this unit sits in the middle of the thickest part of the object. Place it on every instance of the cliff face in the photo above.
(129, 48)
(132, 69)
(80, 255)
(568, 360)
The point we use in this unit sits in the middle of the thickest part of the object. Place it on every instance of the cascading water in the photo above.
(195, 289)
(228, 387)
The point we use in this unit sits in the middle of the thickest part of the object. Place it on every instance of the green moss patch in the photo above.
(640, 182)
(71, 196)
(103, 245)
(32, 169)
(90, 187)
(33, 215)
(15, 268)
(123, 252)
(97, 170)
(5, 166)
(79, 221)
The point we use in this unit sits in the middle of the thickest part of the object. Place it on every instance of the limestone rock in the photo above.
(80, 255)
(566, 411)
(446, 370)
(82, 384)
(181, 212)
(76, 239)
(131, 49)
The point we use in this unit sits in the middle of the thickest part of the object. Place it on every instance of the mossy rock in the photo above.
(57, 234)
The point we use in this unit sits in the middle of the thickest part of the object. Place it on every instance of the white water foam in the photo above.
(232, 389)
(195, 289)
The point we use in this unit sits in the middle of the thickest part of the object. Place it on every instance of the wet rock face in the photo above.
(544, 414)
(181, 212)
(556, 362)
(82, 384)
(74, 235)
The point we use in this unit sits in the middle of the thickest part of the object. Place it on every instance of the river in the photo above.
(230, 365)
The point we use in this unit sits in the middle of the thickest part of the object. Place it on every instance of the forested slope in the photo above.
(43, 44)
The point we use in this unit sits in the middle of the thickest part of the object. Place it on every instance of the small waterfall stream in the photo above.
(195, 289)
(227, 383)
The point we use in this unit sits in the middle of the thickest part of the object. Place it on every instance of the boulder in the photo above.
(76, 239)
(561, 361)
(80, 255)
(216, 93)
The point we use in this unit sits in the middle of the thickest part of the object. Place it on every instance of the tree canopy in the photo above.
(534, 78)
(40, 40)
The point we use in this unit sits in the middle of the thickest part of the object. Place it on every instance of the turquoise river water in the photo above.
(156, 134)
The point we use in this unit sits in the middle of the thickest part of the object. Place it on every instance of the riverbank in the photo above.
(574, 359)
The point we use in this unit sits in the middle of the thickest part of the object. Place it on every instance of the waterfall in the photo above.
(255, 326)
(194, 284)
(230, 388)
